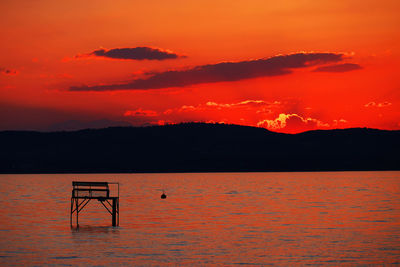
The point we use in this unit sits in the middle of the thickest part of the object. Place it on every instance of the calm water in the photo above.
(224, 219)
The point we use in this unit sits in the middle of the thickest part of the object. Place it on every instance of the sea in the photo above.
(207, 219)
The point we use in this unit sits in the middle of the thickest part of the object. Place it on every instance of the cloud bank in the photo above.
(221, 72)
(136, 53)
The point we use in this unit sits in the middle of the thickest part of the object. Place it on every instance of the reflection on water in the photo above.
(88, 229)
(339, 218)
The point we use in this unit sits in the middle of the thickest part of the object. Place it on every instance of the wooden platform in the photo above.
(84, 192)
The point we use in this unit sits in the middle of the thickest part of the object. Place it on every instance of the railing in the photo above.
(91, 189)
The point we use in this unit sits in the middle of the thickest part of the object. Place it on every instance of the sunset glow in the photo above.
(288, 66)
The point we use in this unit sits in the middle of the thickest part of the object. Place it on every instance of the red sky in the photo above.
(288, 66)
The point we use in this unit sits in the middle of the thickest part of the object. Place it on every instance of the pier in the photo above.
(84, 192)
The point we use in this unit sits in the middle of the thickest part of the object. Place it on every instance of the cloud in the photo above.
(260, 105)
(221, 72)
(292, 123)
(339, 122)
(186, 108)
(377, 105)
(252, 103)
(136, 53)
(8, 71)
(339, 68)
(140, 112)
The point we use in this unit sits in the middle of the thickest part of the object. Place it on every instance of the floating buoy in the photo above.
(163, 195)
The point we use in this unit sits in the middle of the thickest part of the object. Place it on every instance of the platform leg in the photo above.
(118, 211)
(77, 212)
(72, 206)
(114, 212)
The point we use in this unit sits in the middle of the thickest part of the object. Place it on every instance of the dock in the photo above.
(84, 192)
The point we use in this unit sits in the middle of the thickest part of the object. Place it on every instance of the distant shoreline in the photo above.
(177, 172)
(197, 148)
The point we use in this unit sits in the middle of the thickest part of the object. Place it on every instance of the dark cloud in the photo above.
(136, 53)
(8, 71)
(339, 68)
(221, 72)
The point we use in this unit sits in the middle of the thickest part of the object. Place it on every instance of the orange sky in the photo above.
(47, 50)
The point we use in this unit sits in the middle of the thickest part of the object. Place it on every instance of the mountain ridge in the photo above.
(197, 147)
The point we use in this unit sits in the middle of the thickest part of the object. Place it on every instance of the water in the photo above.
(216, 219)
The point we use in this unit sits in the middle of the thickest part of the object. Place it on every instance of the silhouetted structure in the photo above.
(86, 191)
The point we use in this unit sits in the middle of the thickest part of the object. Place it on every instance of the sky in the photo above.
(288, 66)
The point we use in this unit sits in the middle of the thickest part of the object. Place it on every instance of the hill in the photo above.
(197, 147)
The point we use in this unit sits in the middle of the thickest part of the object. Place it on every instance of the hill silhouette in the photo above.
(197, 147)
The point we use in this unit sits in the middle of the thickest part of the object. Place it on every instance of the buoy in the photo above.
(163, 195)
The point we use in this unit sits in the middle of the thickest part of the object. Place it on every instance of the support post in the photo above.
(118, 211)
(72, 206)
(114, 211)
(77, 212)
